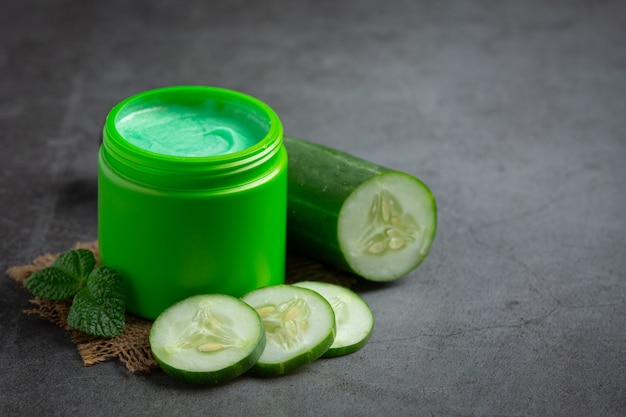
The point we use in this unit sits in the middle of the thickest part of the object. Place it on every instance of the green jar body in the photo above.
(224, 235)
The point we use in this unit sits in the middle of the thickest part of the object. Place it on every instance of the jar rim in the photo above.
(153, 167)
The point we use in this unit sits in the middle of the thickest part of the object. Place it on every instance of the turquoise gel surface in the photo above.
(185, 130)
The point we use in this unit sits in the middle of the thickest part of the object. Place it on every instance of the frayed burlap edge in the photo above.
(132, 347)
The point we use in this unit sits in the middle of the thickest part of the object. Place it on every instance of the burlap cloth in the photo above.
(132, 347)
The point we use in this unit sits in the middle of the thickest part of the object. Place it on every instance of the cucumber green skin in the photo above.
(217, 377)
(319, 180)
(346, 350)
(269, 369)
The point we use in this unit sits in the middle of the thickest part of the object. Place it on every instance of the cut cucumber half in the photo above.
(207, 339)
(357, 215)
(386, 226)
(299, 327)
(353, 317)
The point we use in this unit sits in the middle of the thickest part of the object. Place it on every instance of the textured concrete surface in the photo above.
(513, 112)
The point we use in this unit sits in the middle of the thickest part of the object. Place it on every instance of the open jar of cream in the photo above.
(192, 185)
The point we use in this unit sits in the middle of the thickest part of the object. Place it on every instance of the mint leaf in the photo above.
(78, 262)
(64, 277)
(52, 283)
(99, 308)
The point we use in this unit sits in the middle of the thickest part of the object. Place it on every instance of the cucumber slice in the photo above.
(207, 339)
(356, 215)
(353, 317)
(299, 327)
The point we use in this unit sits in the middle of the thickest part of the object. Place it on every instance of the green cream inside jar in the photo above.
(198, 129)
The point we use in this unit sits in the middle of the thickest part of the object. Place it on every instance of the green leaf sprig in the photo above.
(98, 307)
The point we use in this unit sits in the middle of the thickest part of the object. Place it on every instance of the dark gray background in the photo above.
(513, 112)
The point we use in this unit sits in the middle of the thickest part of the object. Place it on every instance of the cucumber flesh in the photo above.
(207, 339)
(299, 327)
(386, 226)
(357, 215)
(353, 317)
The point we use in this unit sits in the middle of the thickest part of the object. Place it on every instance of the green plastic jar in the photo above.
(192, 191)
